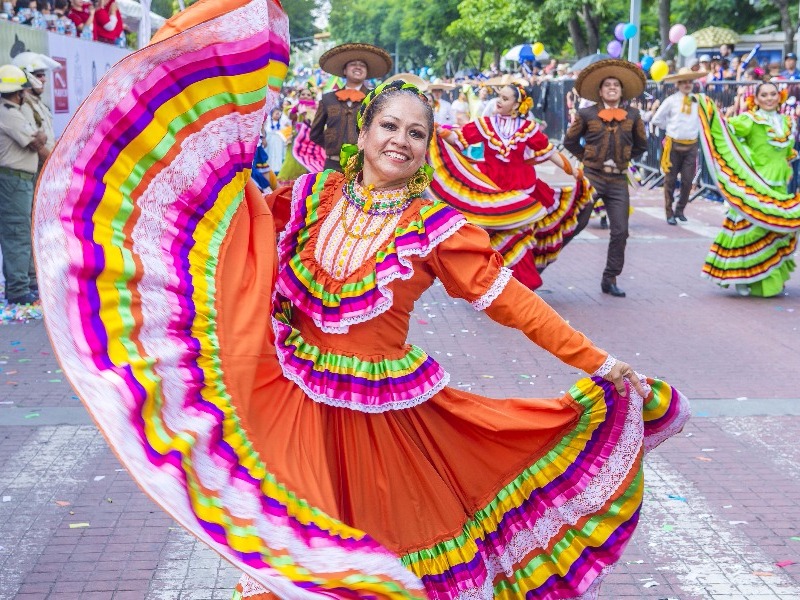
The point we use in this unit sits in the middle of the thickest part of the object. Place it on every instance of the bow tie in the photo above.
(348, 94)
(613, 114)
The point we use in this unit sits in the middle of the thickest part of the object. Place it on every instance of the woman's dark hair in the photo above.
(381, 99)
(762, 84)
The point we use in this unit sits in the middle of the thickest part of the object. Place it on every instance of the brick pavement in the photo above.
(720, 507)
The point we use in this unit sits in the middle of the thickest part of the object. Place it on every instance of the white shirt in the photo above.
(444, 114)
(679, 125)
(490, 108)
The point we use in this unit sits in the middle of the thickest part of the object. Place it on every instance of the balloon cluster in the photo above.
(687, 44)
(622, 33)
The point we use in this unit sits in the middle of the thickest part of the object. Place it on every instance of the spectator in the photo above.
(19, 145)
(790, 70)
(442, 109)
(460, 109)
(34, 107)
(726, 51)
(107, 22)
(63, 24)
(79, 12)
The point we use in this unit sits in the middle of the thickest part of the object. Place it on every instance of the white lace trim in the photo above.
(338, 403)
(606, 367)
(494, 290)
(250, 587)
(684, 412)
(345, 322)
(602, 486)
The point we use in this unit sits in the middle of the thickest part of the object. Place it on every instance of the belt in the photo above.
(17, 173)
(684, 142)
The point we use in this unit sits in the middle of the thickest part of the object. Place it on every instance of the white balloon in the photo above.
(687, 45)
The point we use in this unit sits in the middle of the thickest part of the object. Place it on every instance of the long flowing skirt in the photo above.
(759, 235)
(157, 264)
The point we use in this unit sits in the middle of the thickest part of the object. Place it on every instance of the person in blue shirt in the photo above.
(790, 70)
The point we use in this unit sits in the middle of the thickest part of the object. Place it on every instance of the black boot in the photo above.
(671, 220)
(680, 216)
(609, 286)
(604, 222)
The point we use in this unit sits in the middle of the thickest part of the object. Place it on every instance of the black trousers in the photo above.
(612, 189)
(683, 159)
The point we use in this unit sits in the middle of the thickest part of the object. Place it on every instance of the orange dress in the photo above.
(263, 393)
(393, 450)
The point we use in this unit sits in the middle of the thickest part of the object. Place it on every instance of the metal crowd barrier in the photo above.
(554, 102)
(554, 110)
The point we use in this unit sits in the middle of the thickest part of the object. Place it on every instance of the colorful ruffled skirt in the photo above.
(528, 234)
(754, 251)
(156, 258)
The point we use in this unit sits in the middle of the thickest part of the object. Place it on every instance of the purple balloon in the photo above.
(614, 49)
(619, 31)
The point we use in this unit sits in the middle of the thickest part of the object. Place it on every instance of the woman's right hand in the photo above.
(622, 372)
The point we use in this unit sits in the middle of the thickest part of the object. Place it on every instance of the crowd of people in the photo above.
(98, 20)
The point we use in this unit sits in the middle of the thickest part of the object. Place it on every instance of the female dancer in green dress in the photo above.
(751, 155)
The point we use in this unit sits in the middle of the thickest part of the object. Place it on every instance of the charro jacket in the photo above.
(335, 125)
(620, 141)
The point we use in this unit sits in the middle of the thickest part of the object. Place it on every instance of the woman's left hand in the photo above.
(623, 371)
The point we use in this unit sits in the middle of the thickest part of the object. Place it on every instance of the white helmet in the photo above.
(12, 79)
(33, 61)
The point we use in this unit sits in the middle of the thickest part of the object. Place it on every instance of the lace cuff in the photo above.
(606, 367)
(494, 291)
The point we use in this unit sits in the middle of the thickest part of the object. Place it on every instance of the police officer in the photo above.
(36, 67)
(20, 143)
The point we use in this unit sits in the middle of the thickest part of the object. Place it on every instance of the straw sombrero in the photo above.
(629, 75)
(445, 87)
(415, 80)
(684, 74)
(378, 61)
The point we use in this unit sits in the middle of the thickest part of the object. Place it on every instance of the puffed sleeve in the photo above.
(542, 148)
(469, 134)
(470, 269)
(740, 125)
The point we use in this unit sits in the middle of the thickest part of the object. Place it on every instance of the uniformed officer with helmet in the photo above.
(20, 143)
(36, 67)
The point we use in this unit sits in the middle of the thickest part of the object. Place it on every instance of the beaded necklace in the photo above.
(380, 202)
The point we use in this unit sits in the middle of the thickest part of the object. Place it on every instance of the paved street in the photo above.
(721, 516)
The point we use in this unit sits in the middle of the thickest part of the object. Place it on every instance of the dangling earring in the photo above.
(420, 181)
(354, 166)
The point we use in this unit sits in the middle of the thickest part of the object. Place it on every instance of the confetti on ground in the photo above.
(78, 525)
(707, 450)
(488, 376)
(785, 563)
(54, 380)
(674, 497)
(704, 458)
(19, 313)
(667, 527)
(32, 415)
(6, 498)
(650, 584)
(763, 573)
(99, 477)
(737, 523)
(796, 538)
(422, 321)
(740, 398)
(62, 503)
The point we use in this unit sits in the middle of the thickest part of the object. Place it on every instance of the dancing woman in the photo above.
(304, 156)
(264, 393)
(528, 221)
(750, 155)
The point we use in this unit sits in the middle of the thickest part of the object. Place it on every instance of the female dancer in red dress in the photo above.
(528, 220)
